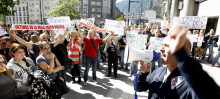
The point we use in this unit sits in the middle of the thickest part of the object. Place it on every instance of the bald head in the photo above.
(187, 46)
(91, 33)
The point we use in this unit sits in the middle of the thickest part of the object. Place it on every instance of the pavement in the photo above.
(117, 88)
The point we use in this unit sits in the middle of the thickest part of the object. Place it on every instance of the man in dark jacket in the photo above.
(182, 78)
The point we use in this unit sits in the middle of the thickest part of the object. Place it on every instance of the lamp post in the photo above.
(129, 4)
(40, 13)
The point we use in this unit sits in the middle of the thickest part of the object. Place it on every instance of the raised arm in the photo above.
(105, 39)
(61, 38)
(79, 32)
(20, 40)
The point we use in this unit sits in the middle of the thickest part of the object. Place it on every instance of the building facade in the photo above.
(21, 14)
(31, 12)
(98, 9)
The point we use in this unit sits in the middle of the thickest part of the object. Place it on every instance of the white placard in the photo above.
(60, 20)
(2, 32)
(191, 22)
(155, 43)
(192, 37)
(116, 26)
(151, 15)
(135, 40)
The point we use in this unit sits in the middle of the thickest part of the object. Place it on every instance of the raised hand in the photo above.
(145, 68)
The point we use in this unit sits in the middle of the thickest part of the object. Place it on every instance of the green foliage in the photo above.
(4, 4)
(120, 18)
(66, 8)
(2, 18)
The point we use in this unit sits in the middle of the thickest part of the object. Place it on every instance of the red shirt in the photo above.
(89, 50)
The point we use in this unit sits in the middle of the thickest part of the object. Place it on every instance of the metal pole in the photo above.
(141, 13)
(129, 3)
(40, 13)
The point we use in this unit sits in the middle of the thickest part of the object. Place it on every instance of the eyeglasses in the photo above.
(3, 62)
(46, 48)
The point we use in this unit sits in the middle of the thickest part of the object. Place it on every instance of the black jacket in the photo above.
(195, 83)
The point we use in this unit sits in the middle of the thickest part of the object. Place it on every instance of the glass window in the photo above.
(98, 10)
(23, 8)
(19, 13)
(19, 8)
(98, 3)
(85, 2)
(93, 3)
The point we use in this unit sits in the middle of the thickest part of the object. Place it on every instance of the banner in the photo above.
(2, 32)
(135, 40)
(150, 15)
(92, 26)
(155, 43)
(36, 27)
(59, 20)
(191, 22)
(116, 26)
(91, 20)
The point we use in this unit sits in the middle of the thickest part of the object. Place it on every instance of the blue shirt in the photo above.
(41, 58)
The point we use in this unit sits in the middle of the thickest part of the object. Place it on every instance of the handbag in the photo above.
(40, 84)
(69, 64)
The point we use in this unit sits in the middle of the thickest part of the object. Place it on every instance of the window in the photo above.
(19, 13)
(98, 10)
(23, 8)
(85, 2)
(93, 3)
(20, 18)
(98, 3)
(19, 8)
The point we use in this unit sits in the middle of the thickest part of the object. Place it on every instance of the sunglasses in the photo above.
(3, 62)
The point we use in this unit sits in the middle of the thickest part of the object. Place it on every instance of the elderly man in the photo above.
(182, 78)
(91, 49)
(112, 51)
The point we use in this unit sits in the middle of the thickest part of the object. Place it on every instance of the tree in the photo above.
(66, 8)
(4, 4)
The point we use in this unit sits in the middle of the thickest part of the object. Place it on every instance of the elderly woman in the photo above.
(22, 66)
(7, 82)
(49, 63)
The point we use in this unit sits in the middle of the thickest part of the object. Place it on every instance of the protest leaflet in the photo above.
(155, 43)
(135, 40)
(191, 22)
(116, 26)
(150, 15)
(60, 20)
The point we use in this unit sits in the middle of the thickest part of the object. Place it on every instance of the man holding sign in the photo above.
(91, 51)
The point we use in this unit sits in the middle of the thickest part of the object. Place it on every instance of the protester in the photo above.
(7, 42)
(209, 45)
(60, 52)
(22, 66)
(73, 54)
(183, 76)
(200, 49)
(8, 85)
(35, 46)
(215, 60)
(49, 63)
(91, 48)
(112, 51)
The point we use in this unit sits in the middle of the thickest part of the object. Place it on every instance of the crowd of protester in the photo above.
(24, 52)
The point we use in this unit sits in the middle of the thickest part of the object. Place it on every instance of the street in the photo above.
(120, 88)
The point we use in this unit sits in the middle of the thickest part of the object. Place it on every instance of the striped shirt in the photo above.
(73, 52)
